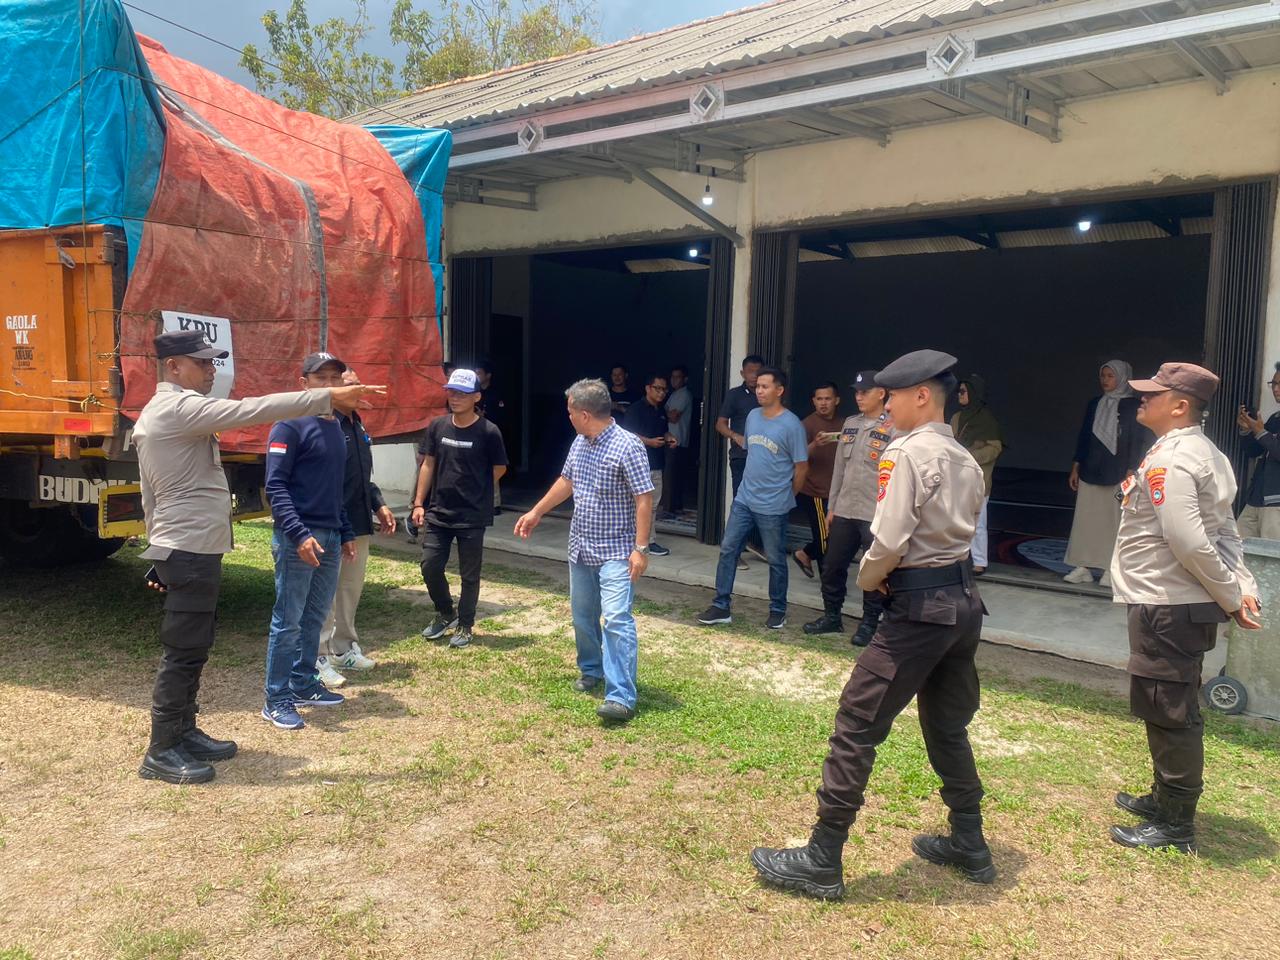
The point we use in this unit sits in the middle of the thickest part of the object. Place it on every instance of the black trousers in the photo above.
(1167, 645)
(435, 554)
(679, 468)
(815, 511)
(845, 537)
(924, 649)
(186, 634)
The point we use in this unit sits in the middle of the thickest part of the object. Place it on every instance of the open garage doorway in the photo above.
(558, 316)
(1035, 301)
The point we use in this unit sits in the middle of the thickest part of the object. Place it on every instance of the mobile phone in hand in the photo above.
(153, 579)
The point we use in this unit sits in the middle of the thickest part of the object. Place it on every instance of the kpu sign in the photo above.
(218, 332)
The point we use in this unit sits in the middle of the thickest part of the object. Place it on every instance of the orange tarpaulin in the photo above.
(302, 231)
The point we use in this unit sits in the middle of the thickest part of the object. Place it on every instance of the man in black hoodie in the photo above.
(339, 643)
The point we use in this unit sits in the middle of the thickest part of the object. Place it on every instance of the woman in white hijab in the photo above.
(1110, 444)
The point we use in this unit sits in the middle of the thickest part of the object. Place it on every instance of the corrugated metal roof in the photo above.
(760, 34)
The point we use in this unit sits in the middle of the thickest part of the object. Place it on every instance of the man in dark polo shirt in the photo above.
(464, 458)
(731, 424)
(648, 420)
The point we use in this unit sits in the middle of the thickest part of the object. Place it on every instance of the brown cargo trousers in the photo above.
(1167, 645)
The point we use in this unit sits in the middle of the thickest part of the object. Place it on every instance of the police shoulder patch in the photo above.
(886, 470)
(1155, 484)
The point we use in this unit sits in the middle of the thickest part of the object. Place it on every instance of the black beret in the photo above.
(915, 367)
(187, 343)
(865, 380)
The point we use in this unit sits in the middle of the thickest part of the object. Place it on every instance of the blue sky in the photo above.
(237, 22)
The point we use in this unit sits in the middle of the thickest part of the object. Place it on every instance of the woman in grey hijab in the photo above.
(1110, 444)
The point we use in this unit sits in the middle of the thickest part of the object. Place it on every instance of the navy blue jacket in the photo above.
(363, 498)
(306, 463)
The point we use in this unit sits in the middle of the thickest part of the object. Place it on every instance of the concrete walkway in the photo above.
(1087, 628)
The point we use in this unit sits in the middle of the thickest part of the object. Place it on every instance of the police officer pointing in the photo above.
(1179, 565)
(930, 495)
(187, 506)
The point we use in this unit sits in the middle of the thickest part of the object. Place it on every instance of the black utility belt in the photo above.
(929, 578)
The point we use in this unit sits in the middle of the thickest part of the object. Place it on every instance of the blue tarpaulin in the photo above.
(423, 155)
(49, 174)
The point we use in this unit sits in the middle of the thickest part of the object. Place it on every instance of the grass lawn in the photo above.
(470, 804)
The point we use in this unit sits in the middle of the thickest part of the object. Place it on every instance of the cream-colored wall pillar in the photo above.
(744, 222)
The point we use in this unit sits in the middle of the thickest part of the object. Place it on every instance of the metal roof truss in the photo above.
(1018, 67)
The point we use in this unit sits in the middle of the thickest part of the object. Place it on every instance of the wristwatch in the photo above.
(643, 551)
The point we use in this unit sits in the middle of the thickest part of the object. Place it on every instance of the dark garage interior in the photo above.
(1032, 302)
(578, 314)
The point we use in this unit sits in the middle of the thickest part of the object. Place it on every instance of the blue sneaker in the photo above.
(317, 695)
(284, 716)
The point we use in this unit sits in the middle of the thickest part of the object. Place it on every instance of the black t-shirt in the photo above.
(462, 481)
(622, 400)
(738, 402)
(493, 405)
(645, 420)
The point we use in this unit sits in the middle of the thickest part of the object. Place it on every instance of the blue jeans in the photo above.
(773, 535)
(304, 595)
(604, 593)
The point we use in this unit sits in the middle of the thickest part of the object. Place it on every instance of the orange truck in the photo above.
(68, 470)
(140, 193)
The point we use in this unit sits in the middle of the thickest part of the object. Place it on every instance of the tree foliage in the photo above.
(325, 67)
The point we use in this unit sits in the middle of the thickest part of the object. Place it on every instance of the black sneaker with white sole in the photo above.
(658, 550)
(776, 621)
(713, 615)
(438, 627)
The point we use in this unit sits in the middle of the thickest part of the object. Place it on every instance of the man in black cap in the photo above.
(187, 506)
(1179, 566)
(930, 494)
(852, 505)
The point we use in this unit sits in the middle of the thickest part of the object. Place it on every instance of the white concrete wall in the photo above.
(593, 209)
(1155, 138)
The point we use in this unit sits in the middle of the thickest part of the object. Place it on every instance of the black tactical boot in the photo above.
(966, 848)
(866, 631)
(827, 623)
(166, 759)
(199, 744)
(1144, 806)
(1173, 826)
(814, 869)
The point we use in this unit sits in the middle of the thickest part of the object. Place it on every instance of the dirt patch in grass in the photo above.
(467, 803)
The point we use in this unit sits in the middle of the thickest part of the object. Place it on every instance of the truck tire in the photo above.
(48, 537)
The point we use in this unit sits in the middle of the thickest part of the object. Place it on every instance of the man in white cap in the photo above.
(463, 459)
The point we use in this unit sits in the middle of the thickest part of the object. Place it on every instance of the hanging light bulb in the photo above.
(707, 198)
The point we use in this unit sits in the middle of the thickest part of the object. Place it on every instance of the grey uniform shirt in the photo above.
(930, 494)
(863, 441)
(184, 492)
(1178, 541)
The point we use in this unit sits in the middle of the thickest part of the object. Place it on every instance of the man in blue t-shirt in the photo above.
(777, 463)
(306, 468)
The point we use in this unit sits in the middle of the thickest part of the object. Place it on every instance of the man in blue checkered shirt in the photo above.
(607, 474)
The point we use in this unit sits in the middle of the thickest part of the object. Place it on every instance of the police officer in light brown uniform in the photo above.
(930, 495)
(1179, 566)
(851, 507)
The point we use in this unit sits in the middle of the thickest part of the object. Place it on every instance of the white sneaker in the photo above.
(1106, 580)
(353, 659)
(1079, 575)
(329, 676)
